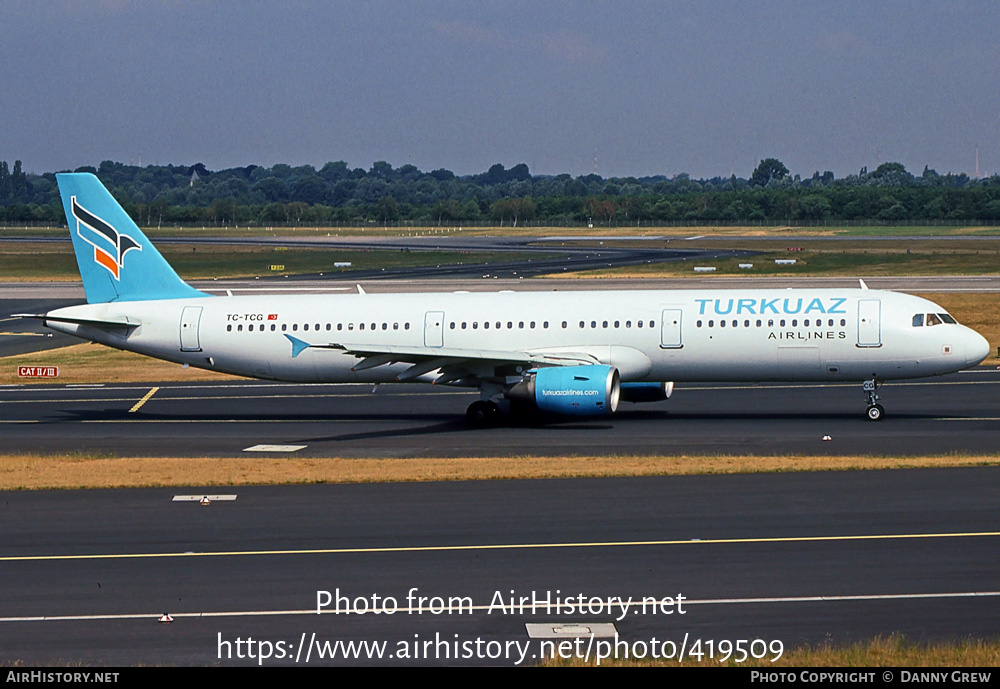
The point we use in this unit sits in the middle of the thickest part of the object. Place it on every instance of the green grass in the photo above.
(823, 257)
(48, 261)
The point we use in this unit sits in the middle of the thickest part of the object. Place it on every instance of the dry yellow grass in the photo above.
(91, 363)
(893, 651)
(35, 472)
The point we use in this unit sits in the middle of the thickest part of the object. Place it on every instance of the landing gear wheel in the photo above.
(875, 412)
(482, 413)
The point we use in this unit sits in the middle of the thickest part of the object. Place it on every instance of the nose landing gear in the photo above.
(875, 410)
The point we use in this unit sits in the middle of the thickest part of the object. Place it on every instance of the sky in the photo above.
(634, 88)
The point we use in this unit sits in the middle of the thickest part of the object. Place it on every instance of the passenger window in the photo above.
(229, 328)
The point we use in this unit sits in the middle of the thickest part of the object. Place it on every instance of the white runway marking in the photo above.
(635, 606)
(198, 498)
(275, 448)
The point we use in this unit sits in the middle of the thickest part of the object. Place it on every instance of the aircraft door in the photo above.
(869, 323)
(190, 322)
(434, 329)
(670, 329)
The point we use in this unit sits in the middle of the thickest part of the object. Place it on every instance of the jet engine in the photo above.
(571, 390)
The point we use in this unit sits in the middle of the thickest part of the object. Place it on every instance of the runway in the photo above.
(789, 558)
(786, 558)
(955, 413)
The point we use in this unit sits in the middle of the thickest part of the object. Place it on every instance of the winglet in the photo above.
(298, 346)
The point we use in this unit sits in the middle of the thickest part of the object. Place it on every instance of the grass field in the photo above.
(852, 258)
(644, 230)
(893, 651)
(23, 261)
(75, 471)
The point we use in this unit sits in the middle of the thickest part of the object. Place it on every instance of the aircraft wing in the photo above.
(452, 363)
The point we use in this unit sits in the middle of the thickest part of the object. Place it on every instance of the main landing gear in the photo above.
(875, 410)
(483, 413)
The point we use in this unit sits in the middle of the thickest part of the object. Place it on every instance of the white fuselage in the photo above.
(682, 335)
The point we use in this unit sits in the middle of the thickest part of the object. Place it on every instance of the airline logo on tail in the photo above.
(110, 246)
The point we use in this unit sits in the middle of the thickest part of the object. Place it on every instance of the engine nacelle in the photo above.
(646, 392)
(575, 390)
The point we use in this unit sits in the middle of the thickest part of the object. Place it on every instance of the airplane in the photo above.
(576, 353)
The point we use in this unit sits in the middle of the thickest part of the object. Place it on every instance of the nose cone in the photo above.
(976, 348)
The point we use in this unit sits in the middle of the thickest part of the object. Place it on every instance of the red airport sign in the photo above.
(38, 371)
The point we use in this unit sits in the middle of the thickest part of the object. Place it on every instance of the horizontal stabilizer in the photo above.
(98, 323)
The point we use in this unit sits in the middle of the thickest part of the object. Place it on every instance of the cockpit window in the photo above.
(918, 320)
(947, 319)
(932, 319)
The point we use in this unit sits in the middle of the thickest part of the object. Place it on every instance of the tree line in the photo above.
(336, 194)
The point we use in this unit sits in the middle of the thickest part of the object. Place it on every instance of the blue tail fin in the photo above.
(117, 262)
